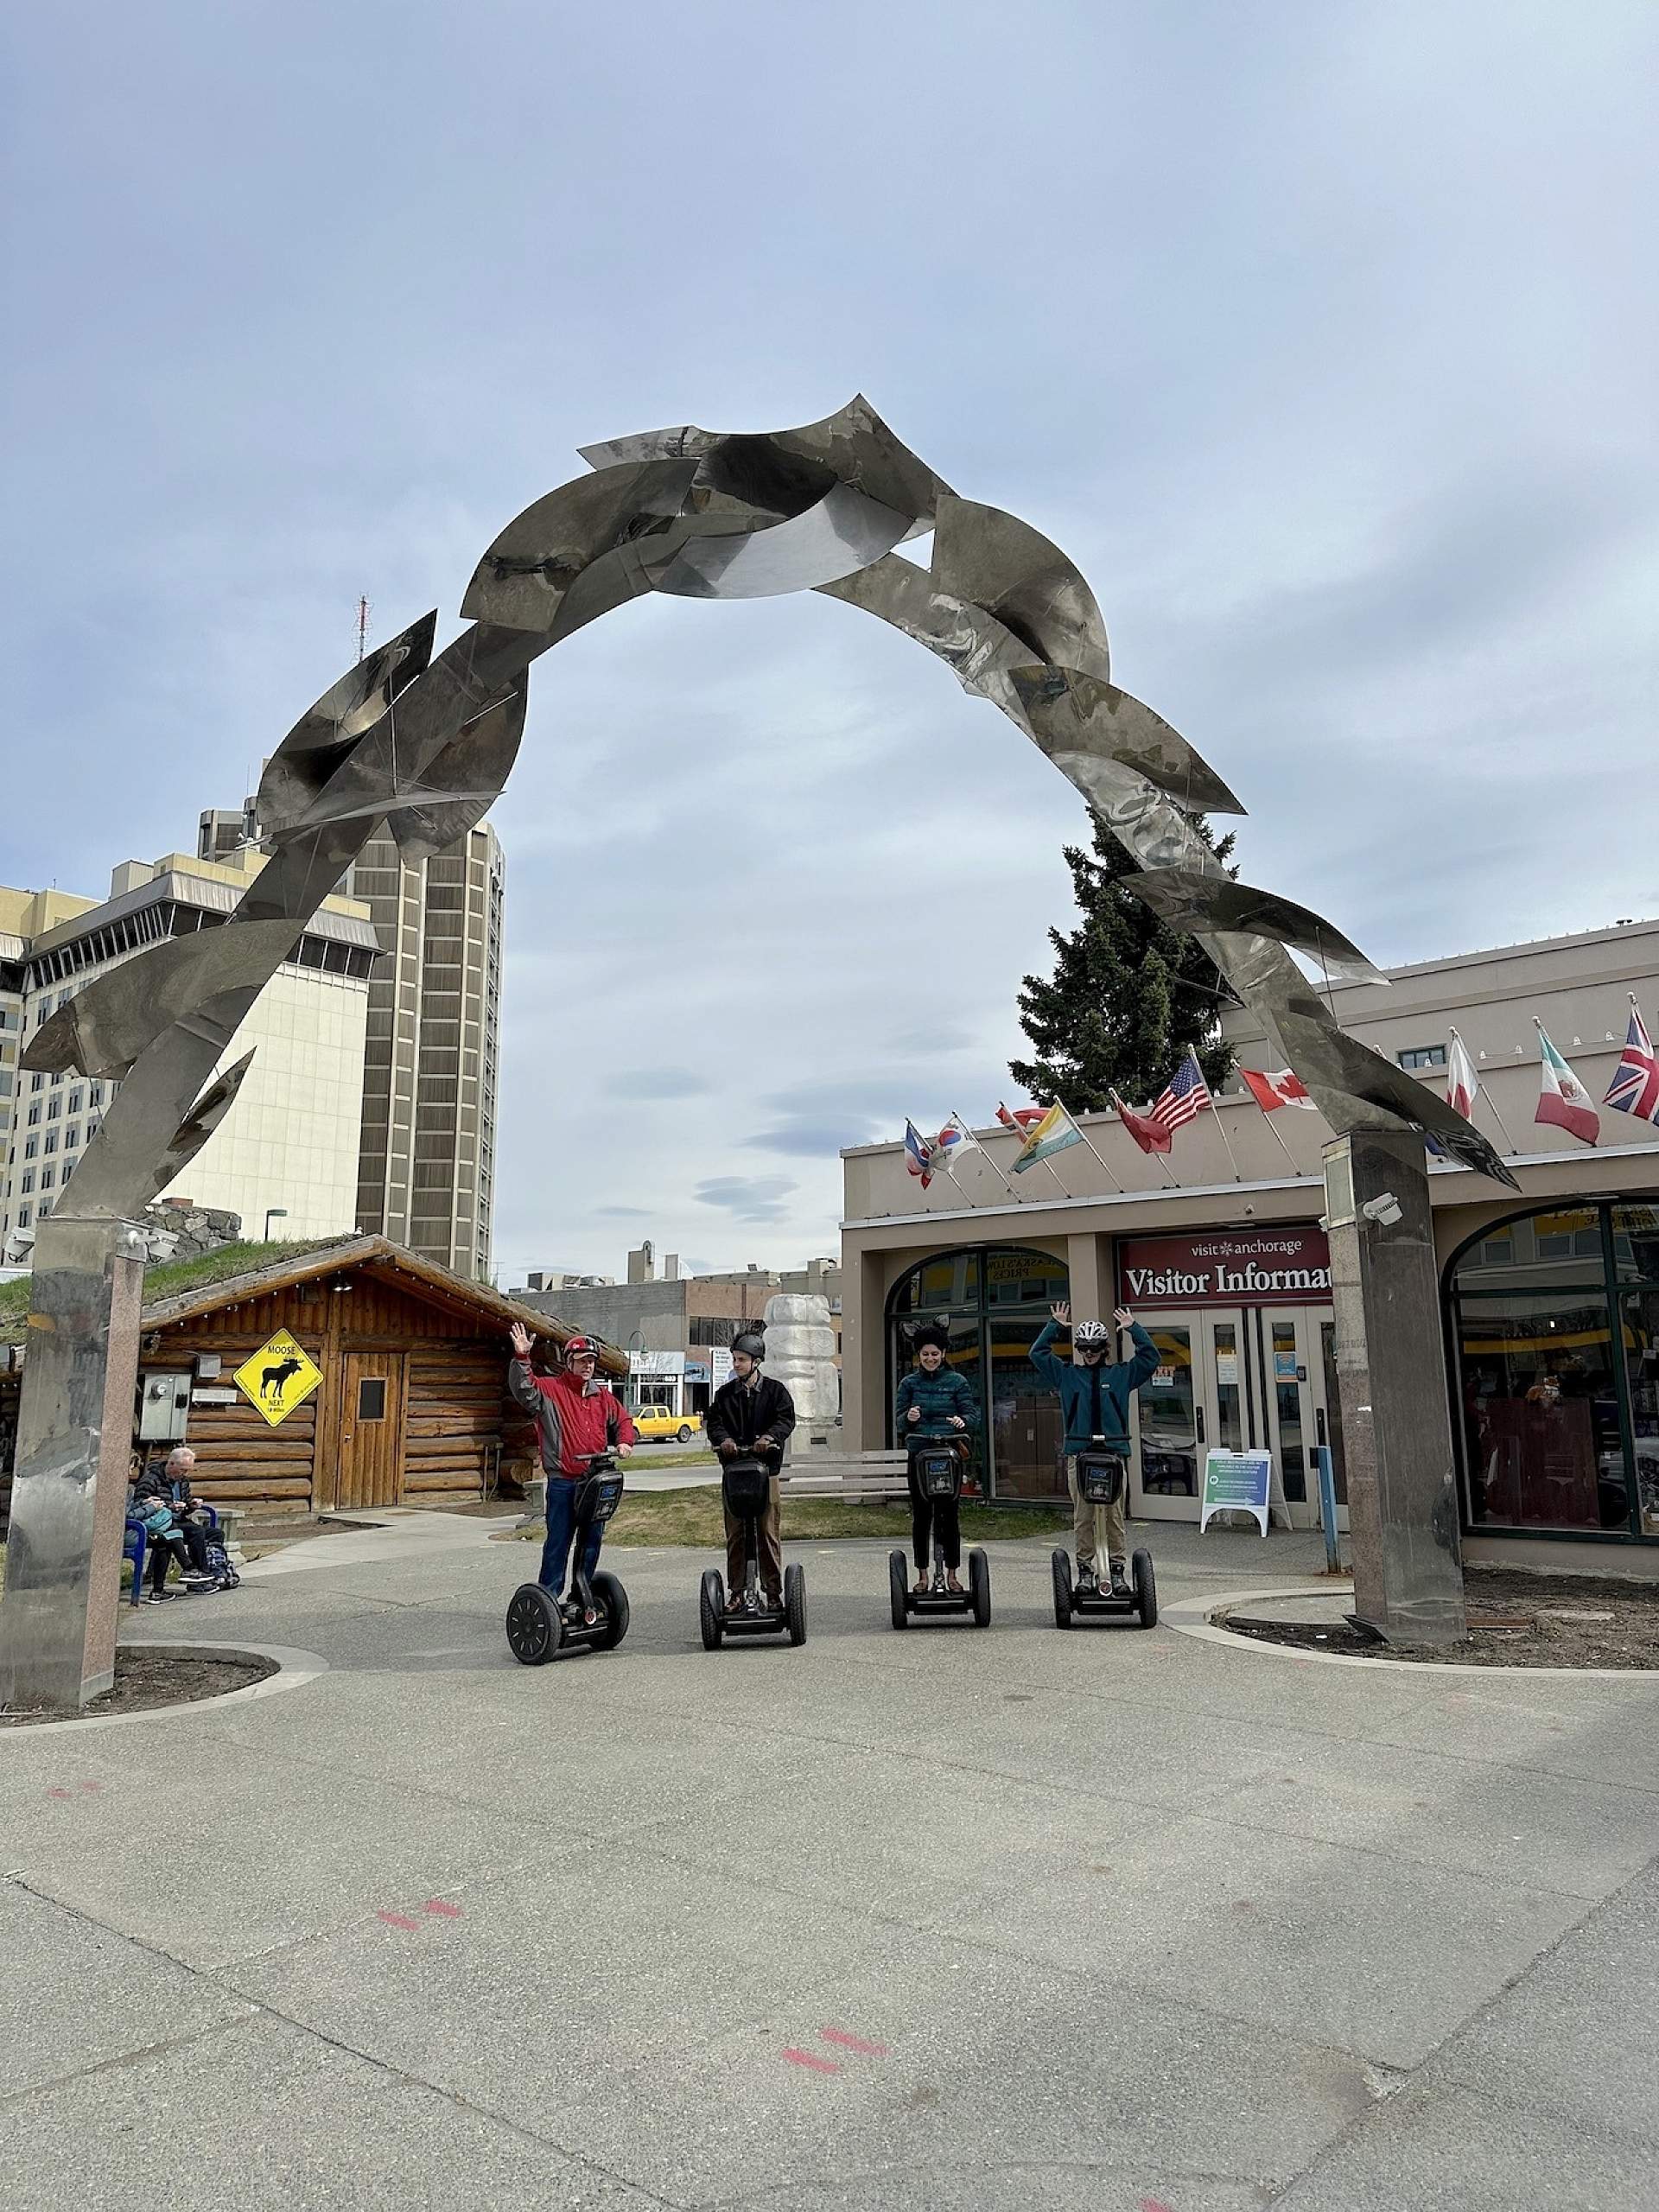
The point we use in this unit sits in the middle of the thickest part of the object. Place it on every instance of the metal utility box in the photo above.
(164, 1407)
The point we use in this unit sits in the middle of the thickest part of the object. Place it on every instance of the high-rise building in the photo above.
(287, 1150)
(426, 1171)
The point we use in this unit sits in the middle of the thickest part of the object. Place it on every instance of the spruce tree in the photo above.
(1128, 997)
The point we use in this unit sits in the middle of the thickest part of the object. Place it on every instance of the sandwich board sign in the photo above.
(1235, 1482)
(280, 1376)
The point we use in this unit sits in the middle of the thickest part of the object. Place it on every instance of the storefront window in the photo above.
(993, 1300)
(1169, 1432)
(1540, 1411)
(1555, 1319)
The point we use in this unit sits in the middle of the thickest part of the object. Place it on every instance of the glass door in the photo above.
(1293, 1370)
(1168, 1417)
(1199, 1400)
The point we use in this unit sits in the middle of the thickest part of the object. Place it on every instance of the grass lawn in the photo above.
(693, 1517)
(646, 1463)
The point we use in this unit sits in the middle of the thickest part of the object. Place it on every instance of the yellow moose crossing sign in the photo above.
(280, 1376)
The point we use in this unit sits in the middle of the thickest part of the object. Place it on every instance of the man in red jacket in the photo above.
(575, 1416)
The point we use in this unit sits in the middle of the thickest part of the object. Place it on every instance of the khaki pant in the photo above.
(770, 1532)
(1096, 1526)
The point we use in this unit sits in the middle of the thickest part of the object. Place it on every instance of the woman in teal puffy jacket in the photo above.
(933, 1401)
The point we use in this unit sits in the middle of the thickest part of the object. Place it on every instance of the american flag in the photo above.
(1634, 1086)
(1184, 1095)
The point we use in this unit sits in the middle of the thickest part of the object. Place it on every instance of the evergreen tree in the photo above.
(1128, 996)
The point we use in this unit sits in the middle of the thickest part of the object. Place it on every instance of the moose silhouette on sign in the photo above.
(273, 1381)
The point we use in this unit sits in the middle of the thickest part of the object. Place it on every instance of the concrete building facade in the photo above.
(288, 1146)
(426, 1164)
(677, 1329)
(1550, 1299)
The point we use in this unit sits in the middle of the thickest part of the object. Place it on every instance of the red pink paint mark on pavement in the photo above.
(808, 2058)
(853, 2043)
(86, 1788)
(437, 1904)
(1155, 2204)
(56, 1791)
(396, 1919)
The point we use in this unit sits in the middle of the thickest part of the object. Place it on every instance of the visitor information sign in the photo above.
(1235, 1482)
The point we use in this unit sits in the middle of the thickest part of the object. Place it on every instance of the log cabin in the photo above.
(412, 1408)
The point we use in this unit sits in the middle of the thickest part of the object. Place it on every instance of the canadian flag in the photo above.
(1282, 1088)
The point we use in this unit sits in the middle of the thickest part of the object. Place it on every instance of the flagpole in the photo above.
(1226, 1140)
(1110, 1178)
(1172, 1181)
(1483, 1092)
(989, 1161)
(1278, 1140)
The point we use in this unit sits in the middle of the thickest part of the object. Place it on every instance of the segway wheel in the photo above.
(533, 1626)
(1062, 1589)
(795, 1602)
(711, 1610)
(614, 1598)
(979, 1587)
(1145, 1589)
(898, 1587)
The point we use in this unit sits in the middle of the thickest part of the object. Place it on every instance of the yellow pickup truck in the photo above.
(656, 1421)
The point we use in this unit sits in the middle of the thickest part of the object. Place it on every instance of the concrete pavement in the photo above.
(1002, 1919)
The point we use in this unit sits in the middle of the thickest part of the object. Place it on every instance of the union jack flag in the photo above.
(1634, 1086)
(1184, 1095)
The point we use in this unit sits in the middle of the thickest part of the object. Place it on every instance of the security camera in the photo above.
(1384, 1209)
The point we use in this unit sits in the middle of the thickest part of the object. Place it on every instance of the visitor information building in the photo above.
(1550, 1299)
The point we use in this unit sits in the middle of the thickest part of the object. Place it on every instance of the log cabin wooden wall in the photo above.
(457, 1416)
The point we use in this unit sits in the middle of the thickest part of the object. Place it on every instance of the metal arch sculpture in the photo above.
(426, 745)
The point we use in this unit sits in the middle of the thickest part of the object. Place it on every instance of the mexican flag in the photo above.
(1562, 1098)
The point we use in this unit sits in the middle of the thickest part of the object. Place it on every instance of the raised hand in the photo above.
(1123, 1317)
(518, 1337)
(1061, 1313)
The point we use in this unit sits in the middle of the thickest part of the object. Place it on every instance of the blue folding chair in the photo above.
(133, 1546)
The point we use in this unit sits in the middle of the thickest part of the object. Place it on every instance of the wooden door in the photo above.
(371, 1428)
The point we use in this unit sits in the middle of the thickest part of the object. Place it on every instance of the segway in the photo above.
(540, 1626)
(744, 1485)
(936, 1466)
(1101, 1476)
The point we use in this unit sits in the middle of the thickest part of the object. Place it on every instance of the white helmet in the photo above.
(1090, 1333)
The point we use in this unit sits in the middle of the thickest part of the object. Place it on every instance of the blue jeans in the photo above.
(561, 1526)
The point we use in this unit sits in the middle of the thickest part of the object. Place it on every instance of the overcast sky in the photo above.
(1322, 335)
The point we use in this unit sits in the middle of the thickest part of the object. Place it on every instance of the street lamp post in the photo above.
(274, 1213)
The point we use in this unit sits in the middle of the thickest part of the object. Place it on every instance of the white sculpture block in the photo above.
(801, 1354)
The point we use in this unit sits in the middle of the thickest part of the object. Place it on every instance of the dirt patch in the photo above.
(1514, 1620)
(145, 1680)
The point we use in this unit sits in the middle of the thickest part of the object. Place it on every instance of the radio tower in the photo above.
(362, 627)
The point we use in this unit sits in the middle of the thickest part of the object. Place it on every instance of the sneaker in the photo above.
(1086, 1576)
(157, 1597)
(1120, 1580)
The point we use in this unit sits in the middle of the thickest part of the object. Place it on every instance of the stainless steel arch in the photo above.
(426, 743)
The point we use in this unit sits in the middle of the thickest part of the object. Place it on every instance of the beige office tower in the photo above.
(427, 1168)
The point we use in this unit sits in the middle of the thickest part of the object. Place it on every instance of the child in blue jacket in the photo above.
(1094, 1399)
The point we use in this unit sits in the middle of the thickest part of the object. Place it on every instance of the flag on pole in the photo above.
(1050, 1132)
(955, 1141)
(1462, 1082)
(1021, 1118)
(1635, 1087)
(1283, 1087)
(1185, 1095)
(1150, 1136)
(1562, 1098)
(919, 1155)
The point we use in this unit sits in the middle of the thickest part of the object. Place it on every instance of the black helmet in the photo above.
(931, 1332)
(751, 1342)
